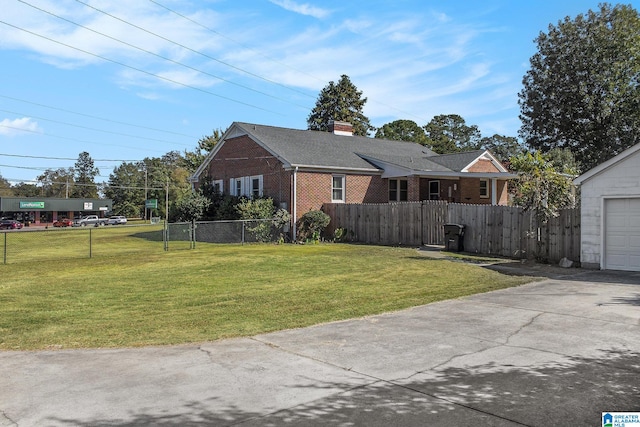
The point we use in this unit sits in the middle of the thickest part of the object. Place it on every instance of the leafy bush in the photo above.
(191, 207)
(262, 209)
(311, 225)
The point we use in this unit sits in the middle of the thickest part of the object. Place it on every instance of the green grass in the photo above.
(132, 293)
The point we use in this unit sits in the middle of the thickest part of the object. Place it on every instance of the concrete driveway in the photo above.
(554, 352)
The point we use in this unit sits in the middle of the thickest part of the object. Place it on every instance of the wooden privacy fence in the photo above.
(489, 230)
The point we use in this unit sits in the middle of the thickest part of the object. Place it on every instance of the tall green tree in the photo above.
(26, 190)
(5, 188)
(57, 183)
(131, 182)
(193, 159)
(564, 160)
(126, 189)
(582, 91)
(402, 130)
(85, 174)
(449, 133)
(340, 101)
(503, 147)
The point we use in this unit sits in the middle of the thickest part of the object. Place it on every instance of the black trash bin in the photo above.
(454, 237)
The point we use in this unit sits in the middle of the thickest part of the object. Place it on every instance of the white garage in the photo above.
(610, 213)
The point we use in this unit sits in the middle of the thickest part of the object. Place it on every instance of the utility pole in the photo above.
(145, 192)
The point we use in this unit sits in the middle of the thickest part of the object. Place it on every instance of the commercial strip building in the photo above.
(44, 210)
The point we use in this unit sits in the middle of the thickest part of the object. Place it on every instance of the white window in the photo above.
(484, 188)
(235, 186)
(218, 186)
(250, 186)
(337, 188)
(398, 190)
(256, 186)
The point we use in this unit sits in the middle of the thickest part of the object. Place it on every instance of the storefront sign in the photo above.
(31, 205)
(88, 206)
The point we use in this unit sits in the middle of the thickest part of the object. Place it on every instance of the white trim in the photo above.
(486, 156)
(260, 185)
(486, 196)
(205, 164)
(234, 131)
(343, 183)
(494, 191)
(333, 169)
(243, 186)
(606, 165)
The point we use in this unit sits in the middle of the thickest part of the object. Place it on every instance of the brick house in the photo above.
(302, 169)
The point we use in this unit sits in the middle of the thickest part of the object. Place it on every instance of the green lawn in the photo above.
(134, 294)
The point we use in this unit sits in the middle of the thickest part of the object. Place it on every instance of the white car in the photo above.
(117, 220)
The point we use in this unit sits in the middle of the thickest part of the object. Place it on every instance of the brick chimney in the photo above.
(340, 128)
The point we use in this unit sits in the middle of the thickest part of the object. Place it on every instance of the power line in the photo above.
(104, 185)
(45, 169)
(64, 158)
(140, 70)
(96, 117)
(24, 167)
(271, 59)
(194, 51)
(74, 139)
(162, 57)
(93, 129)
(239, 44)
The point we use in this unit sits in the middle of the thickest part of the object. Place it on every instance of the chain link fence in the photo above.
(40, 244)
(239, 231)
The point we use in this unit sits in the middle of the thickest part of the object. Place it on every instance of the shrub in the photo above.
(262, 209)
(191, 207)
(311, 225)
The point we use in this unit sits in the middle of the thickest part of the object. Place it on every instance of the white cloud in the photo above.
(54, 39)
(303, 9)
(15, 127)
(410, 64)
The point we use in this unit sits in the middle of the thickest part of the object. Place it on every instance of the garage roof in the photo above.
(606, 165)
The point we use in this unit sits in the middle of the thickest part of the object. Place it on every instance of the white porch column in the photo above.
(494, 191)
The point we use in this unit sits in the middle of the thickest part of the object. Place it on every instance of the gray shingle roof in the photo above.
(457, 161)
(325, 149)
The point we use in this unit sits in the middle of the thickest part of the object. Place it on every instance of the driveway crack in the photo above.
(4, 417)
(521, 328)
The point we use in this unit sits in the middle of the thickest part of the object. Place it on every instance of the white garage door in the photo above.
(622, 234)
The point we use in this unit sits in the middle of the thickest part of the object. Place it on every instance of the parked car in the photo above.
(10, 224)
(117, 220)
(63, 222)
(89, 220)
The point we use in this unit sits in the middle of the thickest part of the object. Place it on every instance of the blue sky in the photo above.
(135, 79)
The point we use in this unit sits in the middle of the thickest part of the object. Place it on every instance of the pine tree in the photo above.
(340, 102)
